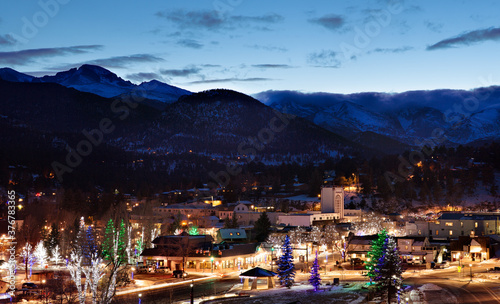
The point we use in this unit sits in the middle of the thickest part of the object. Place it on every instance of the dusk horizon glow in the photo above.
(375, 46)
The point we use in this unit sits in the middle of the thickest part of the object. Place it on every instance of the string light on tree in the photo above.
(315, 279)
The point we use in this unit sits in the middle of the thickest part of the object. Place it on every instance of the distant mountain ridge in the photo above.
(217, 124)
(100, 81)
(462, 117)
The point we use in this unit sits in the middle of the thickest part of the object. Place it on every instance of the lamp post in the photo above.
(212, 260)
(132, 272)
(470, 267)
(140, 295)
(192, 292)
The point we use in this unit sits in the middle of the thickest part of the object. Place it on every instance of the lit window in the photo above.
(437, 222)
(487, 225)
(451, 232)
(437, 232)
(475, 224)
(461, 224)
(449, 224)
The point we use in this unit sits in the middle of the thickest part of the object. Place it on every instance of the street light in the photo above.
(140, 295)
(212, 260)
(133, 269)
(470, 265)
(192, 292)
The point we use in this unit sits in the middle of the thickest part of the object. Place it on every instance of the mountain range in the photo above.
(222, 123)
(450, 117)
(100, 81)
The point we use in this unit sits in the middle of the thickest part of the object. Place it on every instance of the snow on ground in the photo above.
(434, 294)
(303, 292)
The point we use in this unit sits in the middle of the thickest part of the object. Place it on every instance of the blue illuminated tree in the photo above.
(286, 268)
(315, 278)
(388, 269)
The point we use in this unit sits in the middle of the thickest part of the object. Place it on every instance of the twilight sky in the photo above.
(252, 46)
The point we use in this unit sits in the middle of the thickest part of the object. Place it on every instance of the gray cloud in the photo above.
(212, 20)
(267, 48)
(7, 40)
(255, 79)
(392, 50)
(124, 61)
(25, 57)
(331, 21)
(435, 27)
(117, 62)
(468, 38)
(325, 58)
(269, 18)
(188, 71)
(190, 43)
(272, 66)
(140, 77)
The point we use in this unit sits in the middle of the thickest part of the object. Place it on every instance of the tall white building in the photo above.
(332, 200)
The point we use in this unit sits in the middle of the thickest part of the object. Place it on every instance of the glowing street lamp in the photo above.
(132, 273)
(140, 295)
(212, 260)
(192, 292)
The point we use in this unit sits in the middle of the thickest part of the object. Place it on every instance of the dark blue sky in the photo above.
(252, 46)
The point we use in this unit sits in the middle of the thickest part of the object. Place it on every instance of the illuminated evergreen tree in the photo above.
(315, 278)
(388, 269)
(286, 268)
(375, 253)
(107, 244)
(122, 242)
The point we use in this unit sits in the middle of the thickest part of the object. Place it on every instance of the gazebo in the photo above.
(255, 274)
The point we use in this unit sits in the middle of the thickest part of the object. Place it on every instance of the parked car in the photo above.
(179, 274)
(29, 285)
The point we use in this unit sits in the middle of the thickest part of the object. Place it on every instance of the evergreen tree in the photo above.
(315, 278)
(89, 247)
(375, 253)
(107, 244)
(122, 242)
(388, 269)
(53, 239)
(286, 268)
(231, 223)
(262, 227)
(80, 237)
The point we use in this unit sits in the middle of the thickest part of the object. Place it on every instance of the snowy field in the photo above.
(303, 293)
